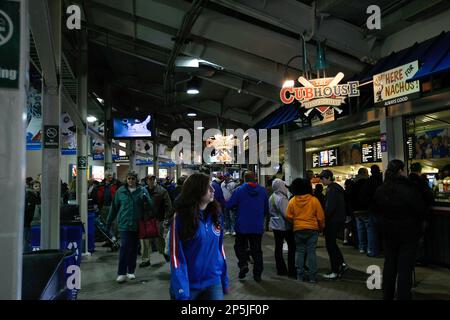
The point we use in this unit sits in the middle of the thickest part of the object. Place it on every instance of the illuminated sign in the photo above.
(390, 87)
(321, 93)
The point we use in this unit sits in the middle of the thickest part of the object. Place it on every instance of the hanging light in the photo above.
(193, 86)
(191, 114)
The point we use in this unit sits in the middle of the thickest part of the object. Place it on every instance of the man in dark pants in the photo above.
(334, 221)
(252, 205)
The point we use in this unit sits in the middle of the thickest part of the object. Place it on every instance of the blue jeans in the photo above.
(128, 252)
(306, 240)
(229, 222)
(366, 234)
(214, 292)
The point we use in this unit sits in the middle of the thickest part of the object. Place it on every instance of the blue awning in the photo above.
(284, 114)
(433, 56)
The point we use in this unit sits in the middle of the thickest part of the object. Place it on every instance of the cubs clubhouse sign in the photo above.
(321, 93)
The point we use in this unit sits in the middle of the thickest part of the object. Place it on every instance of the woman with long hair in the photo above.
(401, 209)
(198, 263)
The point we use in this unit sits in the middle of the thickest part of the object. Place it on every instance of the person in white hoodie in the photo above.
(282, 229)
(228, 186)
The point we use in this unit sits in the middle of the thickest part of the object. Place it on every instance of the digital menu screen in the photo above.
(371, 152)
(325, 158)
(411, 151)
(315, 160)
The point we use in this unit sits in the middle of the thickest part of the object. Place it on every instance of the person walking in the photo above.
(105, 196)
(360, 211)
(252, 206)
(307, 216)
(334, 221)
(282, 229)
(129, 206)
(162, 210)
(401, 209)
(228, 186)
(32, 202)
(198, 263)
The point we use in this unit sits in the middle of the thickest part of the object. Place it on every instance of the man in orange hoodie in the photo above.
(306, 214)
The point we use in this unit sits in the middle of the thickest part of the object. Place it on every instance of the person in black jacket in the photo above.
(334, 221)
(401, 209)
(427, 196)
(32, 199)
(318, 193)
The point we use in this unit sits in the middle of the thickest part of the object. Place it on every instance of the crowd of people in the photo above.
(196, 214)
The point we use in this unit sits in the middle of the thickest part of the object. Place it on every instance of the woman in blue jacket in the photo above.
(198, 265)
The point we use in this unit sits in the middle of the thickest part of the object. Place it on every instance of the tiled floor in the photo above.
(99, 273)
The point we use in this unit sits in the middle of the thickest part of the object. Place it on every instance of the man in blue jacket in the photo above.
(252, 205)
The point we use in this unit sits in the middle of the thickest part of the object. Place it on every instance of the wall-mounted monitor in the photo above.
(132, 127)
(325, 158)
(371, 151)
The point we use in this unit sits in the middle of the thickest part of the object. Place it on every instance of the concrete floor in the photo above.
(98, 274)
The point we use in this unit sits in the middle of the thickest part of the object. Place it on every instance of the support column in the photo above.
(12, 154)
(82, 138)
(155, 149)
(108, 130)
(294, 158)
(132, 148)
(393, 129)
(51, 114)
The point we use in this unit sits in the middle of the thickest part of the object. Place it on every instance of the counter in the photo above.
(437, 236)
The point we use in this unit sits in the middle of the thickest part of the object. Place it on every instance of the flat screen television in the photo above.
(325, 158)
(132, 127)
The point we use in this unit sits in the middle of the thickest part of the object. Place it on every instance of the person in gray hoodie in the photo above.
(282, 229)
(334, 221)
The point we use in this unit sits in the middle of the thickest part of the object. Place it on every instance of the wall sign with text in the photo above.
(390, 87)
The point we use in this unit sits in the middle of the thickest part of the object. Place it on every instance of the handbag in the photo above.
(148, 228)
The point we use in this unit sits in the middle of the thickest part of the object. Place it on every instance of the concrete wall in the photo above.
(33, 163)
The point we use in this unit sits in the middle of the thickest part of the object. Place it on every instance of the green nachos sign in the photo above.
(9, 44)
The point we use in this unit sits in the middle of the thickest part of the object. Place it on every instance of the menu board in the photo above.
(325, 158)
(315, 160)
(411, 144)
(371, 152)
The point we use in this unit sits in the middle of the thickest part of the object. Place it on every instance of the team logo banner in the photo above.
(321, 94)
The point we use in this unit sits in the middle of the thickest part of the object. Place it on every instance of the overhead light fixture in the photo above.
(191, 114)
(193, 86)
(91, 119)
(100, 100)
(288, 83)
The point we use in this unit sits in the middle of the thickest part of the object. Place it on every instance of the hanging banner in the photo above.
(34, 117)
(9, 44)
(68, 135)
(321, 94)
(390, 87)
(97, 146)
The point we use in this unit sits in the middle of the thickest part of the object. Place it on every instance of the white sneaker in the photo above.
(331, 276)
(233, 233)
(131, 276)
(362, 251)
(227, 233)
(121, 278)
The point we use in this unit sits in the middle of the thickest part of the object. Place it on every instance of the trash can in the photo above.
(91, 231)
(70, 237)
(44, 275)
